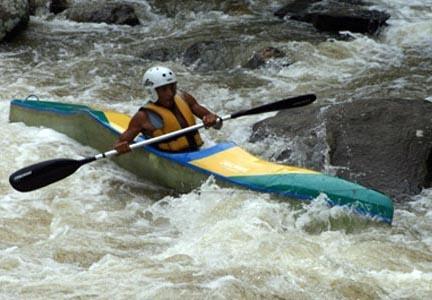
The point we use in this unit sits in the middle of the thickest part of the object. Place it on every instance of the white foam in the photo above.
(411, 35)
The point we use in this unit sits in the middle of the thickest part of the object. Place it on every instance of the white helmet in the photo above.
(156, 77)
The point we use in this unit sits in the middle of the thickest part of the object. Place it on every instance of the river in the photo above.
(104, 234)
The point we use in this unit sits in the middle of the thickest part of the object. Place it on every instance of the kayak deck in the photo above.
(184, 171)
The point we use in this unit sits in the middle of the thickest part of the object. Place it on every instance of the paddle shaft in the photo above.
(157, 139)
(274, 106)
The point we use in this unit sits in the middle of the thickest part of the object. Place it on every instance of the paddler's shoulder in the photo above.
(186, 97)
(141, 115)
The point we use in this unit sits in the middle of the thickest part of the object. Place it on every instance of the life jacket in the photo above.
(170, 123)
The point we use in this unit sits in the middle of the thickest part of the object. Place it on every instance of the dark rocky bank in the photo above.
(335, 16)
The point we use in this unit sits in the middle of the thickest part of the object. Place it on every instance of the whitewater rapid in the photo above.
(102, 233)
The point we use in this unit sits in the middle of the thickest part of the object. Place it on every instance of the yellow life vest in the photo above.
(170, 124)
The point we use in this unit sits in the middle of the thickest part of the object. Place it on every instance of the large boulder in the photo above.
(381, 144)
(58, 6)
(335, 16)
(220, 49)
(206, 56)
(211, 55)
(103, 12)
(171, 8)
(14, 16)
(37, 6)
(261, 57)
(161, 53)
(294, 7)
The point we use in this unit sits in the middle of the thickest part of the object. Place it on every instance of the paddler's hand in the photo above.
(212, 120)
(122, 147)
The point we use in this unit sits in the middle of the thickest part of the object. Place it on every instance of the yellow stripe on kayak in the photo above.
(237, 162)
(117, 120)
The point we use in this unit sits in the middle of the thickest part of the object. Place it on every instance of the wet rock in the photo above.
(14, 16)
(223, 54)
(263, 56)
(335, 16)
(301, 6)
(294, 7)
(208, 56)
(236, 7)
(342, 18)
(159, 54)
(230, 46)
(172, 8)
(58, 6)
(381, 144)
(105, 12)
(37, 5)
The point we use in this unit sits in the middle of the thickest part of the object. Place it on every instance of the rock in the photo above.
(335, 16)
(208, 56)
(36, 6)
(294, 7)
(105, 12)
(261, 57)
(58, 6)
(14, 16)
(348, 19)
(217, 47)
(301, 6)
(381, 144)
(172, 8)
(222, 54)
(236, 7)
(159, 54)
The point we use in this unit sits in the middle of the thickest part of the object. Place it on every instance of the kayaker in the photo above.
(168, 110)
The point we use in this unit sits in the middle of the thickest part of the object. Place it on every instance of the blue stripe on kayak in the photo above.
(60, 108)
(186, 157)
(182, 158)
(62, 111)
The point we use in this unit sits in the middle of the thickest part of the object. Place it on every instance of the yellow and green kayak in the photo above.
(183, 171)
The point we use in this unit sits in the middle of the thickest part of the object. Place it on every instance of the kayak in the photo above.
(184, 171)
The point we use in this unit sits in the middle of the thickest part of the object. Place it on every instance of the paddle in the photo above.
(44, 173)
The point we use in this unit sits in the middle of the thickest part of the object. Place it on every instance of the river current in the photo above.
(104, 234)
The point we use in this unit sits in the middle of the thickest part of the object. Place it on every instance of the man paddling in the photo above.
(168, 110)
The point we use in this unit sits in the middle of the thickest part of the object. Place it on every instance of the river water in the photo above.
(102, 233)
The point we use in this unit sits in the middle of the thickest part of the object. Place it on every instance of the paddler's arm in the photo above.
(139, 123)
(209, 119)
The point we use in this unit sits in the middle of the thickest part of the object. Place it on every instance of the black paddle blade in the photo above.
(278, 105)
(44, 173)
